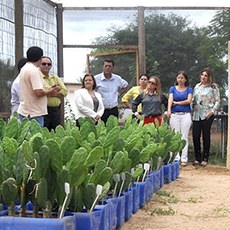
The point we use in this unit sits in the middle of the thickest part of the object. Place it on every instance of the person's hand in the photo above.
(56, 87)
(97, 118)
(52, 92)
(164, 116)
(209, 114)
(174, 103)
(169, 113)
(138, 116)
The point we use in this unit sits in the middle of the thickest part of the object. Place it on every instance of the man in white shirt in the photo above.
(110, 86)
(15, 88)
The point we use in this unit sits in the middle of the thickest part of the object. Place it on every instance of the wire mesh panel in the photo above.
(7, 31)
(40, 28)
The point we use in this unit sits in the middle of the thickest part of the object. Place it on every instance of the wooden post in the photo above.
(59, 10)
(228, 143)
(141, 39)
(18, 13)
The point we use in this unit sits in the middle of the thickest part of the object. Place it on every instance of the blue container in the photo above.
(112, 204)
(120, 210)
(173, 174)
(149, 181)
(136, 197)
(158, 179)
(105, 216)
(167, 173)
(177, 163)
(88, 220)
(143, 192)
(22, 223)
(128, 203)
(161, 170)
(155, 180)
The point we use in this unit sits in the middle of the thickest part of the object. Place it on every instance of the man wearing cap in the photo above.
(33, 97)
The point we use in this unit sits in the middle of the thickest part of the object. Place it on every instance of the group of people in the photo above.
(184, 107)
(41, 95)
(99, 96)
(36, 93)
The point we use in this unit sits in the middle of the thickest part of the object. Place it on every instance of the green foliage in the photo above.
(172, 44)
(41, 162)
(8, 73)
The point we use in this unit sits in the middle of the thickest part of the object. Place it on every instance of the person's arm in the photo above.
(125, 99)
(41, 92)
(216, 96)
(123, 90)
(123, 86)
(62, 88)
(170, 103)
(135, 104)
(101, 107)
(185, 102)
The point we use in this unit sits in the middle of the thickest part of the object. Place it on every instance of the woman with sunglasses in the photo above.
(206, 101)
(88, 102)
(151, 101)
(179, 111)
(135, 91)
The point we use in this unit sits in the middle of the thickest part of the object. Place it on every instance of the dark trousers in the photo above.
(53, 118)
(109, 112)
(202, 127)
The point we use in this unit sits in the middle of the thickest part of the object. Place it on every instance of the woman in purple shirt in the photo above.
(179, 111)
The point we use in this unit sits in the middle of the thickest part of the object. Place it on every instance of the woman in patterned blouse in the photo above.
(206, 101)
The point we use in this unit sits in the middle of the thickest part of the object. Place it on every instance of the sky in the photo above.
(100, 3)
(95, 25)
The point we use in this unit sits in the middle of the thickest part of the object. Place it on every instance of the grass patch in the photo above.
(163, 212)
(221, 211)
(167, 197)
(193, 200)
(162, 192)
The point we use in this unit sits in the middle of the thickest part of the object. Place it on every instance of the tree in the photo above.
(7, 74)
(171, 45)
(214, 48)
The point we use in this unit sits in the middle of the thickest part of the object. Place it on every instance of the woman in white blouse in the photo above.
(88, 102)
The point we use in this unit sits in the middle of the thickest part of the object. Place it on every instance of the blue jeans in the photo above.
(39, 119)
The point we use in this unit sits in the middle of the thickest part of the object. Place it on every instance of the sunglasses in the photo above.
(152, 83)
(48, 64)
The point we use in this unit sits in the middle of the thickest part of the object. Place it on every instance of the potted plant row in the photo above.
(73, 172)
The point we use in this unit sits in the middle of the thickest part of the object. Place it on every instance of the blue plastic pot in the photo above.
(22, 223)
(155, 175)
(128, 203)
(167, 173)
(136, 197)
(161, 171)
(120, 210)
(105, 216)
(177, 165)
(173, 173)
(112, 208)
(144, 191)
(88, 220)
